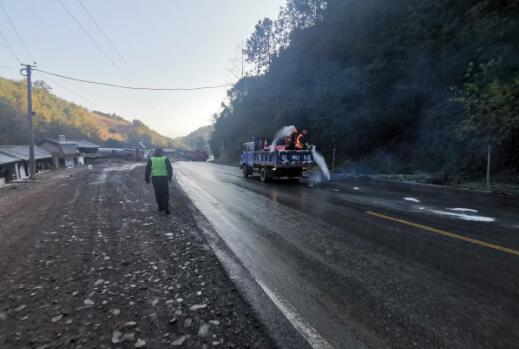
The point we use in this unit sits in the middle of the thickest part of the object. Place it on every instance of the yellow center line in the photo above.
(446, 233)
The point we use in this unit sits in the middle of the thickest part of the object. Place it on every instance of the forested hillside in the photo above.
(395, 86)
(196, 140)
(55, 116)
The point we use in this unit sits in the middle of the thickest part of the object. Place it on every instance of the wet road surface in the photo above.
(361, 264)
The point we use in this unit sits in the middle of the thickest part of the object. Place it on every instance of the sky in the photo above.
(166, 43)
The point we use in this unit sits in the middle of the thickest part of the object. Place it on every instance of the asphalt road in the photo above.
(363, 264)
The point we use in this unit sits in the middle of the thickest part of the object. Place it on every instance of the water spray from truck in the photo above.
(281, 134)
(287, 131)
(319, 160)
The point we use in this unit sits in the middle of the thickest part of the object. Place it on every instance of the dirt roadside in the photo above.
(87, 262)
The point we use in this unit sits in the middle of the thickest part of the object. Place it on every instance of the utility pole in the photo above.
(27, 71)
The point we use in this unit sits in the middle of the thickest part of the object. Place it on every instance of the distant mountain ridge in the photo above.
(55, 116)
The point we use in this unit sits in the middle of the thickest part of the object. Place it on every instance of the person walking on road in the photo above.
(160, 170)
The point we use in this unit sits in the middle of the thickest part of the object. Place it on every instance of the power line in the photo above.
(110, 42)
(10, 48)
(87, 33)
(105, 54)
(88, 100)
(134, 87)
(31, 56)
(16, 32)
(96, 44)
(121, 57)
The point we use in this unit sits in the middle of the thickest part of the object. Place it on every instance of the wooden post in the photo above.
(333, 159)
(27, 72)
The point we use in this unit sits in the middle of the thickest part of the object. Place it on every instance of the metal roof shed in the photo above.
(83, 143)
(6, 159)
(22, 152)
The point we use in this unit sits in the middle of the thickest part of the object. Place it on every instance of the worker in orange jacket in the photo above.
(301, 140)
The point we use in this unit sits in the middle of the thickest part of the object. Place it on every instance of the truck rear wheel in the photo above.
(265, 174)
(246, 171)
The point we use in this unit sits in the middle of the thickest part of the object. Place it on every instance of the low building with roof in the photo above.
(86, 147)
(14, 161)
(7, 168)
(65, 153)
(71, 153)
(89, 151)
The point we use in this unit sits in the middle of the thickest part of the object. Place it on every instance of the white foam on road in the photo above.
(311, 335)
(459, 209)
(123, 167)
(411, 199)
(101, 179)
(464, 216)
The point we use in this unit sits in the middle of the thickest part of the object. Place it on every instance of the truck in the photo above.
(257, 158)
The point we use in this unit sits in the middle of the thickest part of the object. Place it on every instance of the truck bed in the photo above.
(276, 164)
(283, 158)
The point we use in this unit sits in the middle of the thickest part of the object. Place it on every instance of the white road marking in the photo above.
(308, 332)
(464, 216)
(412, 199)
(356, 188)
(458, 209)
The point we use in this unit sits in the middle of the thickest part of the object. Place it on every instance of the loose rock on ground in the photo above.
(87, 262)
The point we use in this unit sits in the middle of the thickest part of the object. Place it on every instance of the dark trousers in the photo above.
(161, 187)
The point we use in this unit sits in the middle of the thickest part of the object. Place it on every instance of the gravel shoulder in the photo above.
(87, 262)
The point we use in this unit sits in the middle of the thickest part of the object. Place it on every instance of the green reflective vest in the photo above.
(158, 166)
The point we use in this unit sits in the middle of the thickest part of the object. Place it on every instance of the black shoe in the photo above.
(167, 211)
